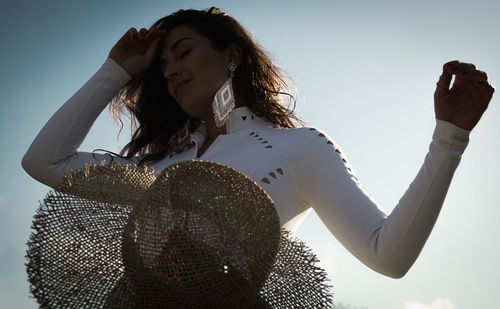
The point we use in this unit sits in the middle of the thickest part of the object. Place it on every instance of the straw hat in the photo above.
(197, 235)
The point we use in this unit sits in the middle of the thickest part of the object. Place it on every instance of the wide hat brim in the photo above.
(197, 235)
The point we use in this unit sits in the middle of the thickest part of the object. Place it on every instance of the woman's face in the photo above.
(194, 70)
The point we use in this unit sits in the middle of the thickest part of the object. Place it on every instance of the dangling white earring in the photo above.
(224, 100)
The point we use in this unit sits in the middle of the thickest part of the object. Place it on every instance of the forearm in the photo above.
(406, 229)
(54, 150)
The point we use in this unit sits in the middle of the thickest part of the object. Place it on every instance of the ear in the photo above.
(234, 53)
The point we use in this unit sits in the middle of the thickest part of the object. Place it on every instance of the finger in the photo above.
(485, 84)
(142, 33)
(131, 33)
(469, 79)
(127, 33)
(135, 36)
(475, 75)
(461, 67)
(154, 45)
(443, 84)
(154, 32)
(450, 63)
(486, 90)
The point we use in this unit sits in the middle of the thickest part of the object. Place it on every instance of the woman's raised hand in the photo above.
(135, 50)
(465, 102)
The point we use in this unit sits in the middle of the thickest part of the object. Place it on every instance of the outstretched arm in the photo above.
(390, 244)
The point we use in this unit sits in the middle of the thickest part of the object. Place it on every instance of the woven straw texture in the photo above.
(198, 235)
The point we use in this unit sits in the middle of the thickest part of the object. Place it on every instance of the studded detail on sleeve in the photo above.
(389, 244)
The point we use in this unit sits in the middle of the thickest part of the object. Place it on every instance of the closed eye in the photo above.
(184, 53)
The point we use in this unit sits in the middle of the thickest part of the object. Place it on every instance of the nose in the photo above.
(171, 71)
(169, 75)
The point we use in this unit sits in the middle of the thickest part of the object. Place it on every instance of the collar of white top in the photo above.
(240, 117)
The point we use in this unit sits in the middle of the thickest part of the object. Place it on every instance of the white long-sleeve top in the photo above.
(299, 168)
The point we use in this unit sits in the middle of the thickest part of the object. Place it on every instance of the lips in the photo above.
(179, 87)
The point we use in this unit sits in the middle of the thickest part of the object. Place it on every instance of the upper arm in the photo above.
(327, 182)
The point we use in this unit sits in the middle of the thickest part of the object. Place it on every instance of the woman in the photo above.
(176, 78)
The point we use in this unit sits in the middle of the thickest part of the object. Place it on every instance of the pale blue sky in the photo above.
(365, 72)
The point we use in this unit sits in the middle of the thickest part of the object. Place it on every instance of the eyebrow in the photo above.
(174, 46)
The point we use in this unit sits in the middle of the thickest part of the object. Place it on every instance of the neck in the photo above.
(212, 129)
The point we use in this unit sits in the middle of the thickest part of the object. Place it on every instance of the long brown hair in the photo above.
(155, 116)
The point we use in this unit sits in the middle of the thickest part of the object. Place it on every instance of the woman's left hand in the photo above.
(465, 102)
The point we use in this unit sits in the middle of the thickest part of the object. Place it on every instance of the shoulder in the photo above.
(299, 143)
(312, 147)
(309, 137)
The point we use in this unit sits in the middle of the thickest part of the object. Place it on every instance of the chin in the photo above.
(196, 110)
